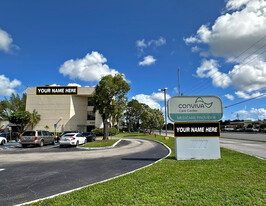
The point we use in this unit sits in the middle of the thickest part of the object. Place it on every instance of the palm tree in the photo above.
(34, 118)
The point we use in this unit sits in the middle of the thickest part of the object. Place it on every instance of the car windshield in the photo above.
(68, 135)
(29, 133)
(3, 135)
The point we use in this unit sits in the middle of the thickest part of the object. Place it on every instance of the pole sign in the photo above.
(197, 129)
(195, 108)
(57, 90)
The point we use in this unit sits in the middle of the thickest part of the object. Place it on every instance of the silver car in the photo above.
(36, 137)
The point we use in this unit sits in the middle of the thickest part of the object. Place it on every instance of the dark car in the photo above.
(90, 136)
(14, 136)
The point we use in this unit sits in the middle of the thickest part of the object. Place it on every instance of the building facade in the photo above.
(64, 112)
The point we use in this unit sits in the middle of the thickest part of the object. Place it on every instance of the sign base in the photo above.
(195, 148)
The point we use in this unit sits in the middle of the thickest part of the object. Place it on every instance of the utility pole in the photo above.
(179, 94)
(164, 90)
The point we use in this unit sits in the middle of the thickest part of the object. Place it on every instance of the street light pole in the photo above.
(164, 90)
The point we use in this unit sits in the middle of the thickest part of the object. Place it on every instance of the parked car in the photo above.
(90, 136)
(14, 136)
(3, 140)
(65, 132)
(36, 137)
(72, 139)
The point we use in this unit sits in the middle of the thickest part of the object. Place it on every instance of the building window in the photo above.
(89, 102)
(90, 115)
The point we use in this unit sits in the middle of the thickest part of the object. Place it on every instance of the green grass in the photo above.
(101, 143)
(235, 179)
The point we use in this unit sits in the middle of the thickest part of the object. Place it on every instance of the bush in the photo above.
(112, 131)
(99, 131)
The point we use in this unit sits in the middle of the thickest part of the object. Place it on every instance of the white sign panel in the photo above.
(195, 108)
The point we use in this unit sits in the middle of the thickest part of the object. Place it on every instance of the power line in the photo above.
(220, 74)
(245, 100)
(198, 86)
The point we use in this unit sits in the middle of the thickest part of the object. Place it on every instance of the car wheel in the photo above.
(24, 145)
(85, 141)
(77, 144)
(3, 142)
(41, 144)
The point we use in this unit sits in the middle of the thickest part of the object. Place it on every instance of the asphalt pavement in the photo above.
(28, 174)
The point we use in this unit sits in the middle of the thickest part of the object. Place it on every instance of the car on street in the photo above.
(72, 139)
(90, 136)
(36, 137)
(3, 140)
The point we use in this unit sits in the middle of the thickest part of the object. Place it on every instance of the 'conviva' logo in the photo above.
(200, 100)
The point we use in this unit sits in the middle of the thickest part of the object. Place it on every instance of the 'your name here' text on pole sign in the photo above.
(197, 129)
(57, 90)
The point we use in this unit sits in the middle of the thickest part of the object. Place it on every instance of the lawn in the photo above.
(101, 143)
(235, 179)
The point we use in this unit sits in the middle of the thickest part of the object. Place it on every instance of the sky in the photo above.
(219, 47)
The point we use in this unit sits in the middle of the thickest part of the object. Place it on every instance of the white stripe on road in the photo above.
(2, 170)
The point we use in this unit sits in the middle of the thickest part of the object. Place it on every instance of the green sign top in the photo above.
(195, 108)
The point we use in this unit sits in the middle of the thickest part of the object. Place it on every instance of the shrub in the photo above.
(99, 131)
(112, 131)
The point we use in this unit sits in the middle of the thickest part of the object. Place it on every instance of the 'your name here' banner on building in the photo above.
(57, 90)
(197, 129)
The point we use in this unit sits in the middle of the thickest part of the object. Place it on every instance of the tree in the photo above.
(151, 119)
(21, 118)
(132, 114)
(34, 118)
(108, 95)
(14, 104)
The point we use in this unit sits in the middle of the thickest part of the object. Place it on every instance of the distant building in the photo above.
(64, 112)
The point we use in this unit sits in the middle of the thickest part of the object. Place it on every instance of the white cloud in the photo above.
(141, 43)
(238, 35)
(252, 114)
(159, 42)
(148, 60)
(245, 95)
(249, 77)
(6, 42)
(232, 33)
(159, 96)
(209, 69)
(90, 68)
(74, 84)
(147, 99)
(230, 97)
(195, 49)
(7, 87)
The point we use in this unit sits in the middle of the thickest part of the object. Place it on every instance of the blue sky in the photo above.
(219, 46)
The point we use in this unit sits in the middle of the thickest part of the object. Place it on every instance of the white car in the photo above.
(72, 139)
(3, 140)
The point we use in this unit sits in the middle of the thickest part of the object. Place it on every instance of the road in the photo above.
(254, 148)
(33, 173)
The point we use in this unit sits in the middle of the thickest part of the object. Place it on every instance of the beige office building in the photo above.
(64, 112)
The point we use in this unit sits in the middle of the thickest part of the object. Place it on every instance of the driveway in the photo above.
(33, 173)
